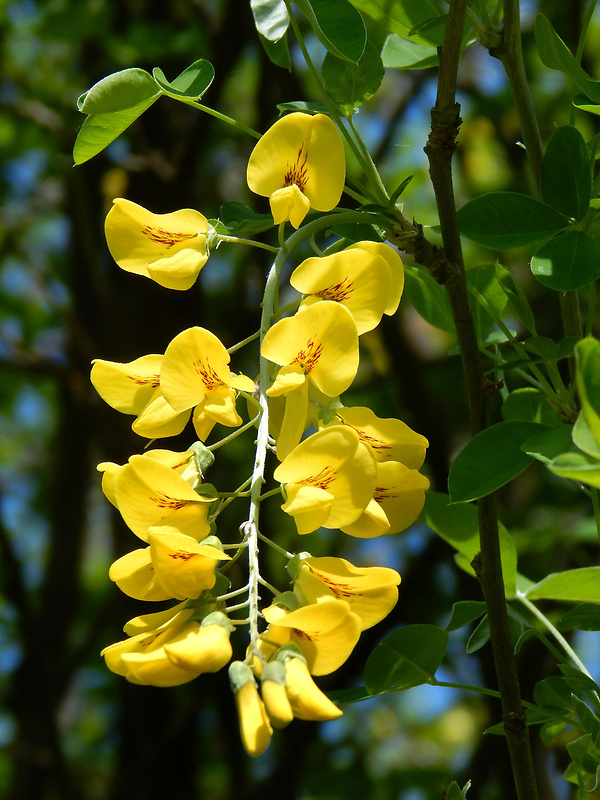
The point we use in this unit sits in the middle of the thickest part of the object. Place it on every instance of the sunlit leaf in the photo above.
(271, 18)
(567, 262)
(581, 585)
(191, 83)
(338, 25)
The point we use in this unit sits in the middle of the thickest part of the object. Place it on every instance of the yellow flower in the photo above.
(298, 164)
(390, 439)
(184, 464)
(195, 374)
(171, 249)
(255, 728)
(397, 502)
(174, 566)
(317, 346)
(328, 479)
(149, 492)
(306, 699)
(394, 262)
(326, 632)
(288, 691)
(173, 654)
(371, 592)
(134, 388)
(359, 278)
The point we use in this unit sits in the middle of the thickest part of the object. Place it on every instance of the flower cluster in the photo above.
(339, 467)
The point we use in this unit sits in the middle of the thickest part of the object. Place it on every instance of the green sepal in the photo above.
(239, 675)
(203, 456)
(287, 600)
(218, 618)
(222, 584)
(290, 650)
(294, 564)
(273, 671)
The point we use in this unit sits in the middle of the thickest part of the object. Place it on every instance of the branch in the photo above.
(440, 148)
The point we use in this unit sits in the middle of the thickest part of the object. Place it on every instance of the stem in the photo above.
(557, 635)
(596, 506)
(223, 117)
(243, 343)
(510, 54)
(233, 435)
(275, 546)
(440, 147)
(250, 242)
(360, 151)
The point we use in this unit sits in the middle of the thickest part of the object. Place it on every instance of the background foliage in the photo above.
(69, 728)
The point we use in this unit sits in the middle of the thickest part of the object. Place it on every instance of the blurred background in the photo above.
(70, 729)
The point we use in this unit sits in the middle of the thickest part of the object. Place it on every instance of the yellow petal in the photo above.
(322, 341)
(294, 421)
(183, 567)
(306, 699)
(159, 419)
(310, 506)
(255, 728)
(302, 150)
(396, 270)
(127, 387)
(400, 494)
(134, 575)
(358, 279)
(195, 363)
(334, 460)
(390, 439)
(205, 649)
(371, 592)
(289, 378)
(289, 204)
(141, 242)
(326, 633)
(149, 493)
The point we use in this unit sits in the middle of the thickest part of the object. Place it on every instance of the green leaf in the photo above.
(566, 174)
(464, 612)
(271, 18)
(580, 585)
(303, 105)
(584, 439)
(587, 356)
(401, 53)
(553, 693)
(352, 84)
(567, 262)
(490, 460)
(516, 297)
(529, 405)
(408, 657)
(429, 298)
(556, 55)
(118, 92)
(338, 25)
(501, 220)
(278, 52)
(577, 467)
(583, 104)
(352, 695)
(112, 105)
(459, 526)
(453, 792)
(548, 444)
(190, 84)
(584, 617)
(404, 16)
(485, 283)
(239, 219)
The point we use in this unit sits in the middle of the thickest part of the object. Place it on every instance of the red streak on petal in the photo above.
(297, 173)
